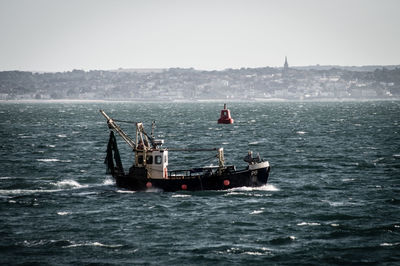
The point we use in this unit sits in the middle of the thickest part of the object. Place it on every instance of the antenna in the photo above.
(153, 125)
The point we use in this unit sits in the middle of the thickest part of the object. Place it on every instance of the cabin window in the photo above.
(140, 159)
(158, 159)
(149, 159)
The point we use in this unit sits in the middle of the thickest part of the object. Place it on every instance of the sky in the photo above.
(55, 35)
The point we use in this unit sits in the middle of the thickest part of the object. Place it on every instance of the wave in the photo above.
(61, 185)
(26, 191)
(336, 203)
(68, 183)
(66, 244)
(282, 240)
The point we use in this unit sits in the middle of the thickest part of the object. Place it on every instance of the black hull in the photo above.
(137, 180)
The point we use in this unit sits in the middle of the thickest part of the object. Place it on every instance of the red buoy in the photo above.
(225, 117)
(226, 182)
(184, 187)
(149, 184)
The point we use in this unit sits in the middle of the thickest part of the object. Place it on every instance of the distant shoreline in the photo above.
(196, 100)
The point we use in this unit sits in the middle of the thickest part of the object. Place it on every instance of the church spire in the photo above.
(285, 66)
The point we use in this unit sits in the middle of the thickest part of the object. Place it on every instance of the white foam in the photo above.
(311, 224)
(234, 193)
(48, 160)
(62, 136)
(335, 225)
(254, 253)
(95, 244)
(125, 191)
(108, 181)
(181, 196)
(53, 160)
(69, 183)
(267, 187)
(261, 195)
(390, 244)
(301, 132)
(63, 213)
(259, 252)
(256, 212)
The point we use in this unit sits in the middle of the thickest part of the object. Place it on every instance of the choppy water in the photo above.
(333, 195)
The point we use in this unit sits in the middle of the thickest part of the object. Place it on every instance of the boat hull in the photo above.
(136, 180)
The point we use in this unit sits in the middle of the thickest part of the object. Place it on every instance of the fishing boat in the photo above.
(150, 166)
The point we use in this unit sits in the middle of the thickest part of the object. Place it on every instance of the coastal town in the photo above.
(175, 84)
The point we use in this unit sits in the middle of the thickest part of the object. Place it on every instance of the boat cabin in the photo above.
(155, 162)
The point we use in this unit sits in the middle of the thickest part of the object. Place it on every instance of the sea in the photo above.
(333, 195)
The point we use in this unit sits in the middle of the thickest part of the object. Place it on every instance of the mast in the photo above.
(221, 160)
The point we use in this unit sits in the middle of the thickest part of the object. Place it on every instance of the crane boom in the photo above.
(113, 125)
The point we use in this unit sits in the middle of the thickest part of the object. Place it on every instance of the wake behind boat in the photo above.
(150, 166)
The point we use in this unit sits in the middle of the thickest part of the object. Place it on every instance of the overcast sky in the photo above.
(54, 35)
